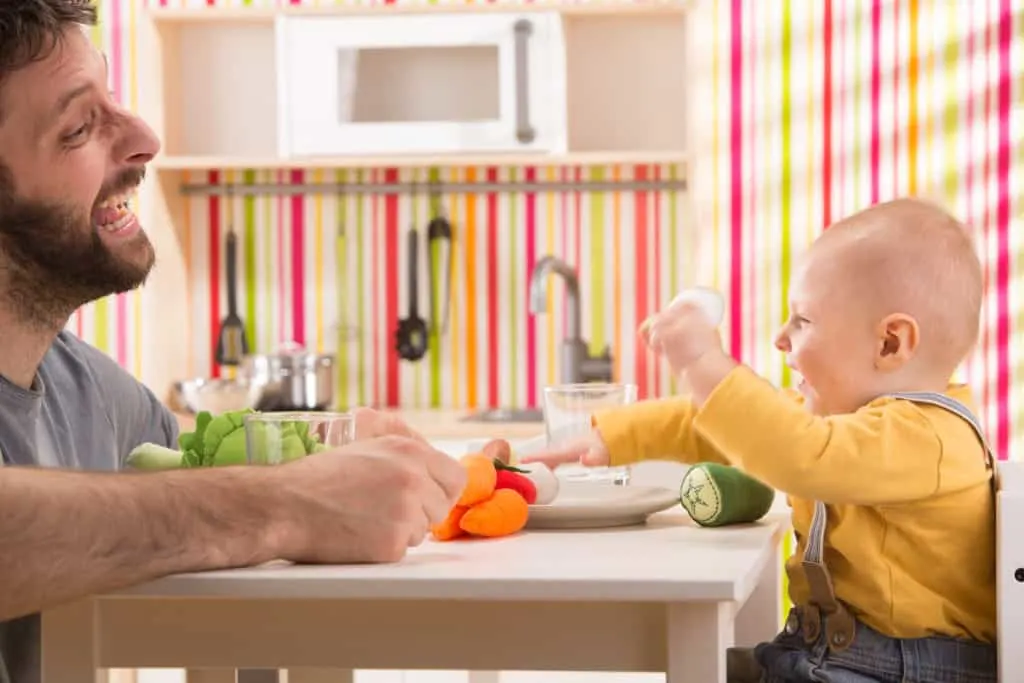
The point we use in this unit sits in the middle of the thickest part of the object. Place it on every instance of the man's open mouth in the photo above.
(114, 213)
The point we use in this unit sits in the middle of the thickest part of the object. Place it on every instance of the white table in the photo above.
(668, 597)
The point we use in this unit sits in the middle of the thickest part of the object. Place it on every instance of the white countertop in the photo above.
(670, 559)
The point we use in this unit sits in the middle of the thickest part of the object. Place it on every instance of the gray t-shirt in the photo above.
(85, 412)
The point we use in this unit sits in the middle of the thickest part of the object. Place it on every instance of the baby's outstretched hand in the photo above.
(681, 334)
(587, 450)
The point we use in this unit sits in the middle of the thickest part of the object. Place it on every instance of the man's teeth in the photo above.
(120, 224)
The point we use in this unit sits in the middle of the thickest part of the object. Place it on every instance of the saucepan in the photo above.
(291, 378)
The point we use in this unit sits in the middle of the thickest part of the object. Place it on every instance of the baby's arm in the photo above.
(886, 452)
(660, 429)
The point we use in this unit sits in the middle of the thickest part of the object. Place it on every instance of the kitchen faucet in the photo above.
(578, 365)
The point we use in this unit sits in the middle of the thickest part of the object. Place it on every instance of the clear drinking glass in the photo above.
(277, 437)
(568, 413)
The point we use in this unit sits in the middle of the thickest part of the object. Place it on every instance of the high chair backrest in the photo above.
(1010, 570)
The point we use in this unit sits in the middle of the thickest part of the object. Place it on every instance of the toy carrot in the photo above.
(503, 514)
(481, 477)
(449, 529)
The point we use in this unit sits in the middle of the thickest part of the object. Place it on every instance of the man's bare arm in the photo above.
(65, 535)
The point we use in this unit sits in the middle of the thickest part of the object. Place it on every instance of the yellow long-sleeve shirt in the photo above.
(910, 541)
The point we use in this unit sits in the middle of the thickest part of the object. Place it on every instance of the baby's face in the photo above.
(829, 340)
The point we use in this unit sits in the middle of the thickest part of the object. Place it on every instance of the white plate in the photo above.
(582, 505)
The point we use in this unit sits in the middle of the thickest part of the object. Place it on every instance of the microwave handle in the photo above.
(525, 133)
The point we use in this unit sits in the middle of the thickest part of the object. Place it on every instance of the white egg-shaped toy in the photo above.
(709, 301)
(544, 479)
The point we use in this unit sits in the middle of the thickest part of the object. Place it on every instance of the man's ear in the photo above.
(898, 338)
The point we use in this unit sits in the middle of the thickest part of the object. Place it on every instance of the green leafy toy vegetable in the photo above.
(220, 441)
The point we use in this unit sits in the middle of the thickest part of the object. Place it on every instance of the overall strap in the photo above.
(840, 625)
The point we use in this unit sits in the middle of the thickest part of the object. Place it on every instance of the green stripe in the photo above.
(598, 230)
(362, 357)
(249, 257)
(268, 267)
(434, 341)
(101, 335)
(950, 117)
(513, 300)
(341, 233)
(786, 186)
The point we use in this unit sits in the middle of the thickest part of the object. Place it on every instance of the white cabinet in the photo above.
(408, 84)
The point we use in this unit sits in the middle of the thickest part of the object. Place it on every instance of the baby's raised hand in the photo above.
(681, 333)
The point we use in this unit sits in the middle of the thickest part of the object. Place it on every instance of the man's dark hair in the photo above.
(31, 29)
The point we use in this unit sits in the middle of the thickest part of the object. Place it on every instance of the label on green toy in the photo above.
(700, 495)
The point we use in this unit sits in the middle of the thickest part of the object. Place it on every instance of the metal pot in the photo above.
(292, 379)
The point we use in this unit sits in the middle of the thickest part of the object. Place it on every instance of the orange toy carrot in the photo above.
(481, 478)
(449, 529)
(503, 514)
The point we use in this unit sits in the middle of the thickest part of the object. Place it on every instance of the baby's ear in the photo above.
(898, 338)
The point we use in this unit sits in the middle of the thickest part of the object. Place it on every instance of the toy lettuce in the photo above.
(220, 441)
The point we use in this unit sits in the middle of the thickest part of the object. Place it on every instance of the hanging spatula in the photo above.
(231, 342)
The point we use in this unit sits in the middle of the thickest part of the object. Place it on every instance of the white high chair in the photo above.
(1010, 571)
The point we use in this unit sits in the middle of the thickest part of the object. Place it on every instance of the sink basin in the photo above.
(506, 415)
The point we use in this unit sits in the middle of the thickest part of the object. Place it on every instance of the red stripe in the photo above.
(375, 293)
(493, 352)
(826, 151)
(657, 264)
(213, 208)
(642, 306)
(736, 203)
(876, 95)
(298, 215)
(1003, 94)
(391, 283)
(531, 260)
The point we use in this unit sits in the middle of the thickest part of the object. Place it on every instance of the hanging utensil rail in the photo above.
(665, 184)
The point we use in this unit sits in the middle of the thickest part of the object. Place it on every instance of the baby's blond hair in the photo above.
(912, 256)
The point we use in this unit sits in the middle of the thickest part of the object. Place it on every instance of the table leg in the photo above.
(68, 644)
(760, 617)
(698, 635)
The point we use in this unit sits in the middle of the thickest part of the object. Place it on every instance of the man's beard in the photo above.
(52, 260)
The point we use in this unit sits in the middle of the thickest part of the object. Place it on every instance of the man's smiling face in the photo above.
(70, 160)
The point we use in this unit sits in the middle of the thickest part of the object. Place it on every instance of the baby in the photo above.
(889, 478)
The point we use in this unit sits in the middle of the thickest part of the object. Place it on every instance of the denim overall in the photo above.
(823, 642)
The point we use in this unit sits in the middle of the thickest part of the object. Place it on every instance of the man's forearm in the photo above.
(66, 535)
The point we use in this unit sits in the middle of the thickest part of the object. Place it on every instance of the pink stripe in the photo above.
(840, 36)
(493, 294)
(969, 172)
(897, 116)
(298, 215)
(1003, 226)
(736, 207)
(282, 330)
(876, 96)
(79, 324)
(531, 260)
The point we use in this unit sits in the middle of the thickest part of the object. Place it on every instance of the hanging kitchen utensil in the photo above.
(439, 230)
(231, 342)
(411, 336)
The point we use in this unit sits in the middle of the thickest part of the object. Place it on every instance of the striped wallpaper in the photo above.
(814, 109)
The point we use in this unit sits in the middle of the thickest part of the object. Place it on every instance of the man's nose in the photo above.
(138, 144)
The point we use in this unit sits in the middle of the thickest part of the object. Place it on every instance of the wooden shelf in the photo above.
(267, 14)
(199, 163)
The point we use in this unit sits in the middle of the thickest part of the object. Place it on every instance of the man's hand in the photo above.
(681, 334)
(588, 450)
(368, 501)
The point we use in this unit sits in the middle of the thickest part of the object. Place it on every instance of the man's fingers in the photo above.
(373, 423)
